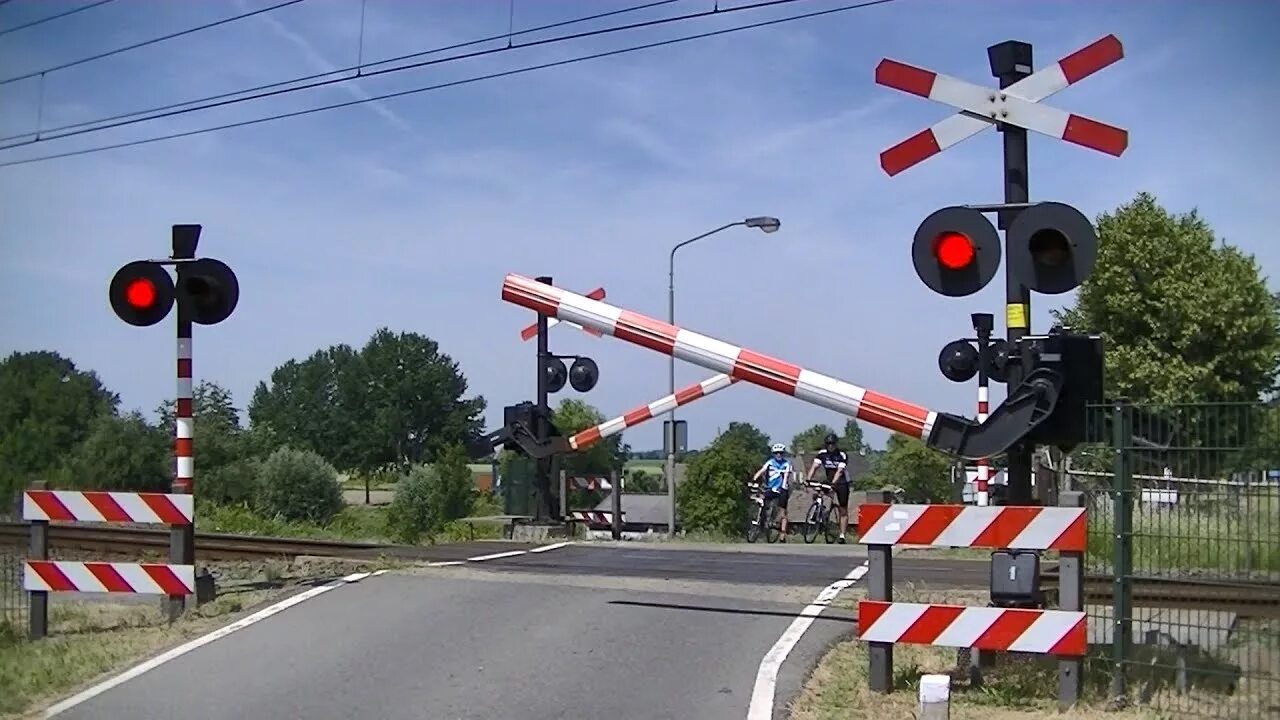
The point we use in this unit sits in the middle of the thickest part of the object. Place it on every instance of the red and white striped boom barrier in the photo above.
(42, 575)
(1001, 526)
(531, 331)
(1019, 104)
(635, 416)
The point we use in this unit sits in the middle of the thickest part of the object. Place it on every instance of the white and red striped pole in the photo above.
(183, 421)
(984, 469)
(713, 354)
(592, 435)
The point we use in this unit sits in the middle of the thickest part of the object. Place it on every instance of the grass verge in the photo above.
(88, 639)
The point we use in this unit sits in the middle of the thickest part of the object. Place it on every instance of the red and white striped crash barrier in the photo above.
(117, 507)
(594, 517)
(68, 576)
(635, 416)
(1052, 632)
(719, 356)
(1017, 104)
(1001, 526)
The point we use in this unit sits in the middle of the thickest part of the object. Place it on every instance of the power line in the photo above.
(455, 83)
(42, 135)
(413, 66)
(152, 41)
(51, 18)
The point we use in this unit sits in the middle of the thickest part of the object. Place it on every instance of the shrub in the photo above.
(121, 453)
(430, 497)
(712, 497)
(299, 485)
(235, 483)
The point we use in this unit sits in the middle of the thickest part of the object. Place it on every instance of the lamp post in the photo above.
(765, 224)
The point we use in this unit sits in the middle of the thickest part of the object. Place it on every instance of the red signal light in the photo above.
(140, 293)
(954, 250)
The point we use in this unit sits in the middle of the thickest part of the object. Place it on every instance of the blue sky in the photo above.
(407, 213)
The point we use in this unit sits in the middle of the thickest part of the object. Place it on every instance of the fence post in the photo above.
(564, 494)
(38, 611)
(616, 521)
(880, 587)
(1070, 597)
(1122, 629)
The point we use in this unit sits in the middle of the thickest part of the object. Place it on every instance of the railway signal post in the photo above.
(1052, 242)
(206, 292)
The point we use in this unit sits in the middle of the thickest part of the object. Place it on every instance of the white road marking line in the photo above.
(762, 694)
(552, 546)
(446, 563)
(495, 556)
(201, 641)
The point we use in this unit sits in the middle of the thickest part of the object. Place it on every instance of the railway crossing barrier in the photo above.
(42, 576)
(1015, 620)
(613, 519)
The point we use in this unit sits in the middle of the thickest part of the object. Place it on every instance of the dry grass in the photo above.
(88, 639)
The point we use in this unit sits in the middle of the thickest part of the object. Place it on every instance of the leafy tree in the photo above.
(610, 454)
(712, 497)
(923, 473)
(455, 493)
(811, 439)
(749, 436)
(395, 402)
(121, 453)
(1185, 319)
(852, 440)
(299, 485)
(47, 407)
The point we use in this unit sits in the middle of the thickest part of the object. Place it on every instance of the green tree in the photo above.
(121, 453)
(712, 497)
(1185, 319)
(395, 402)
(455, 493)
(226, 457)
(573, 415)
(47, 407)
(810, 440)
(852, 440)
(924, 474)
(431, 496)
(749, 436)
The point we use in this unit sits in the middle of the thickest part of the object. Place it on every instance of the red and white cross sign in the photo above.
(531, 331)
(1019, 104)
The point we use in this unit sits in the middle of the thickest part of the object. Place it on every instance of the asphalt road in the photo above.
(579, 631)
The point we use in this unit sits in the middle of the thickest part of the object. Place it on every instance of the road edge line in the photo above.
(195, 643)
(765, 689)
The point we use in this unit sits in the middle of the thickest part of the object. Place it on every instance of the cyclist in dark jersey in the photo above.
(836, 464)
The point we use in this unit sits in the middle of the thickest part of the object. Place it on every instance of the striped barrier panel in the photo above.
(594, 517)
(1001, 526)
(1052, 632)
(44, 506)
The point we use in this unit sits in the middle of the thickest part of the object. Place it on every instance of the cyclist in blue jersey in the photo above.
(778, 471)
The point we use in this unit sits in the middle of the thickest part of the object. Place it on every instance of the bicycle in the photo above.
(819, 515)
(766, 516)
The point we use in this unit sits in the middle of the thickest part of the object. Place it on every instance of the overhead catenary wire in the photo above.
(145, 43)
(55, 133)
(51, 18)
(454, 83)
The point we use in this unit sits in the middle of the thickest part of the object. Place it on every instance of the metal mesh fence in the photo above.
(1184, 556)
(13, 599)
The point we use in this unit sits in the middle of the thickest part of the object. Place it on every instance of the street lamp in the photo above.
(763, 223)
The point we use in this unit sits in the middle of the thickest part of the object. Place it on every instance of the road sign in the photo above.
(1019, 104)
(531, 331)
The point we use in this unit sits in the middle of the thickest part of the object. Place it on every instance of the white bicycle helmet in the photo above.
(778, 448)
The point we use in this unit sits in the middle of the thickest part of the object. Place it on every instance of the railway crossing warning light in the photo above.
(142, 292)
(959, 360)
(1052, 248)
(956, 251)
(581, 376)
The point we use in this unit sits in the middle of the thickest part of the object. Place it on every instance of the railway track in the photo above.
(1243, 597)
(210, 546)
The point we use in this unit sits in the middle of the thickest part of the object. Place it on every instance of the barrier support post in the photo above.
(1070, 597)
(38, 611)
(564, 496)
(880, 587)
(616, 520)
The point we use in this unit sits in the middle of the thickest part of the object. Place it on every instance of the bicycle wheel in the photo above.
(753, 524)
(773, 527)
(812, 521)
(830, 525)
